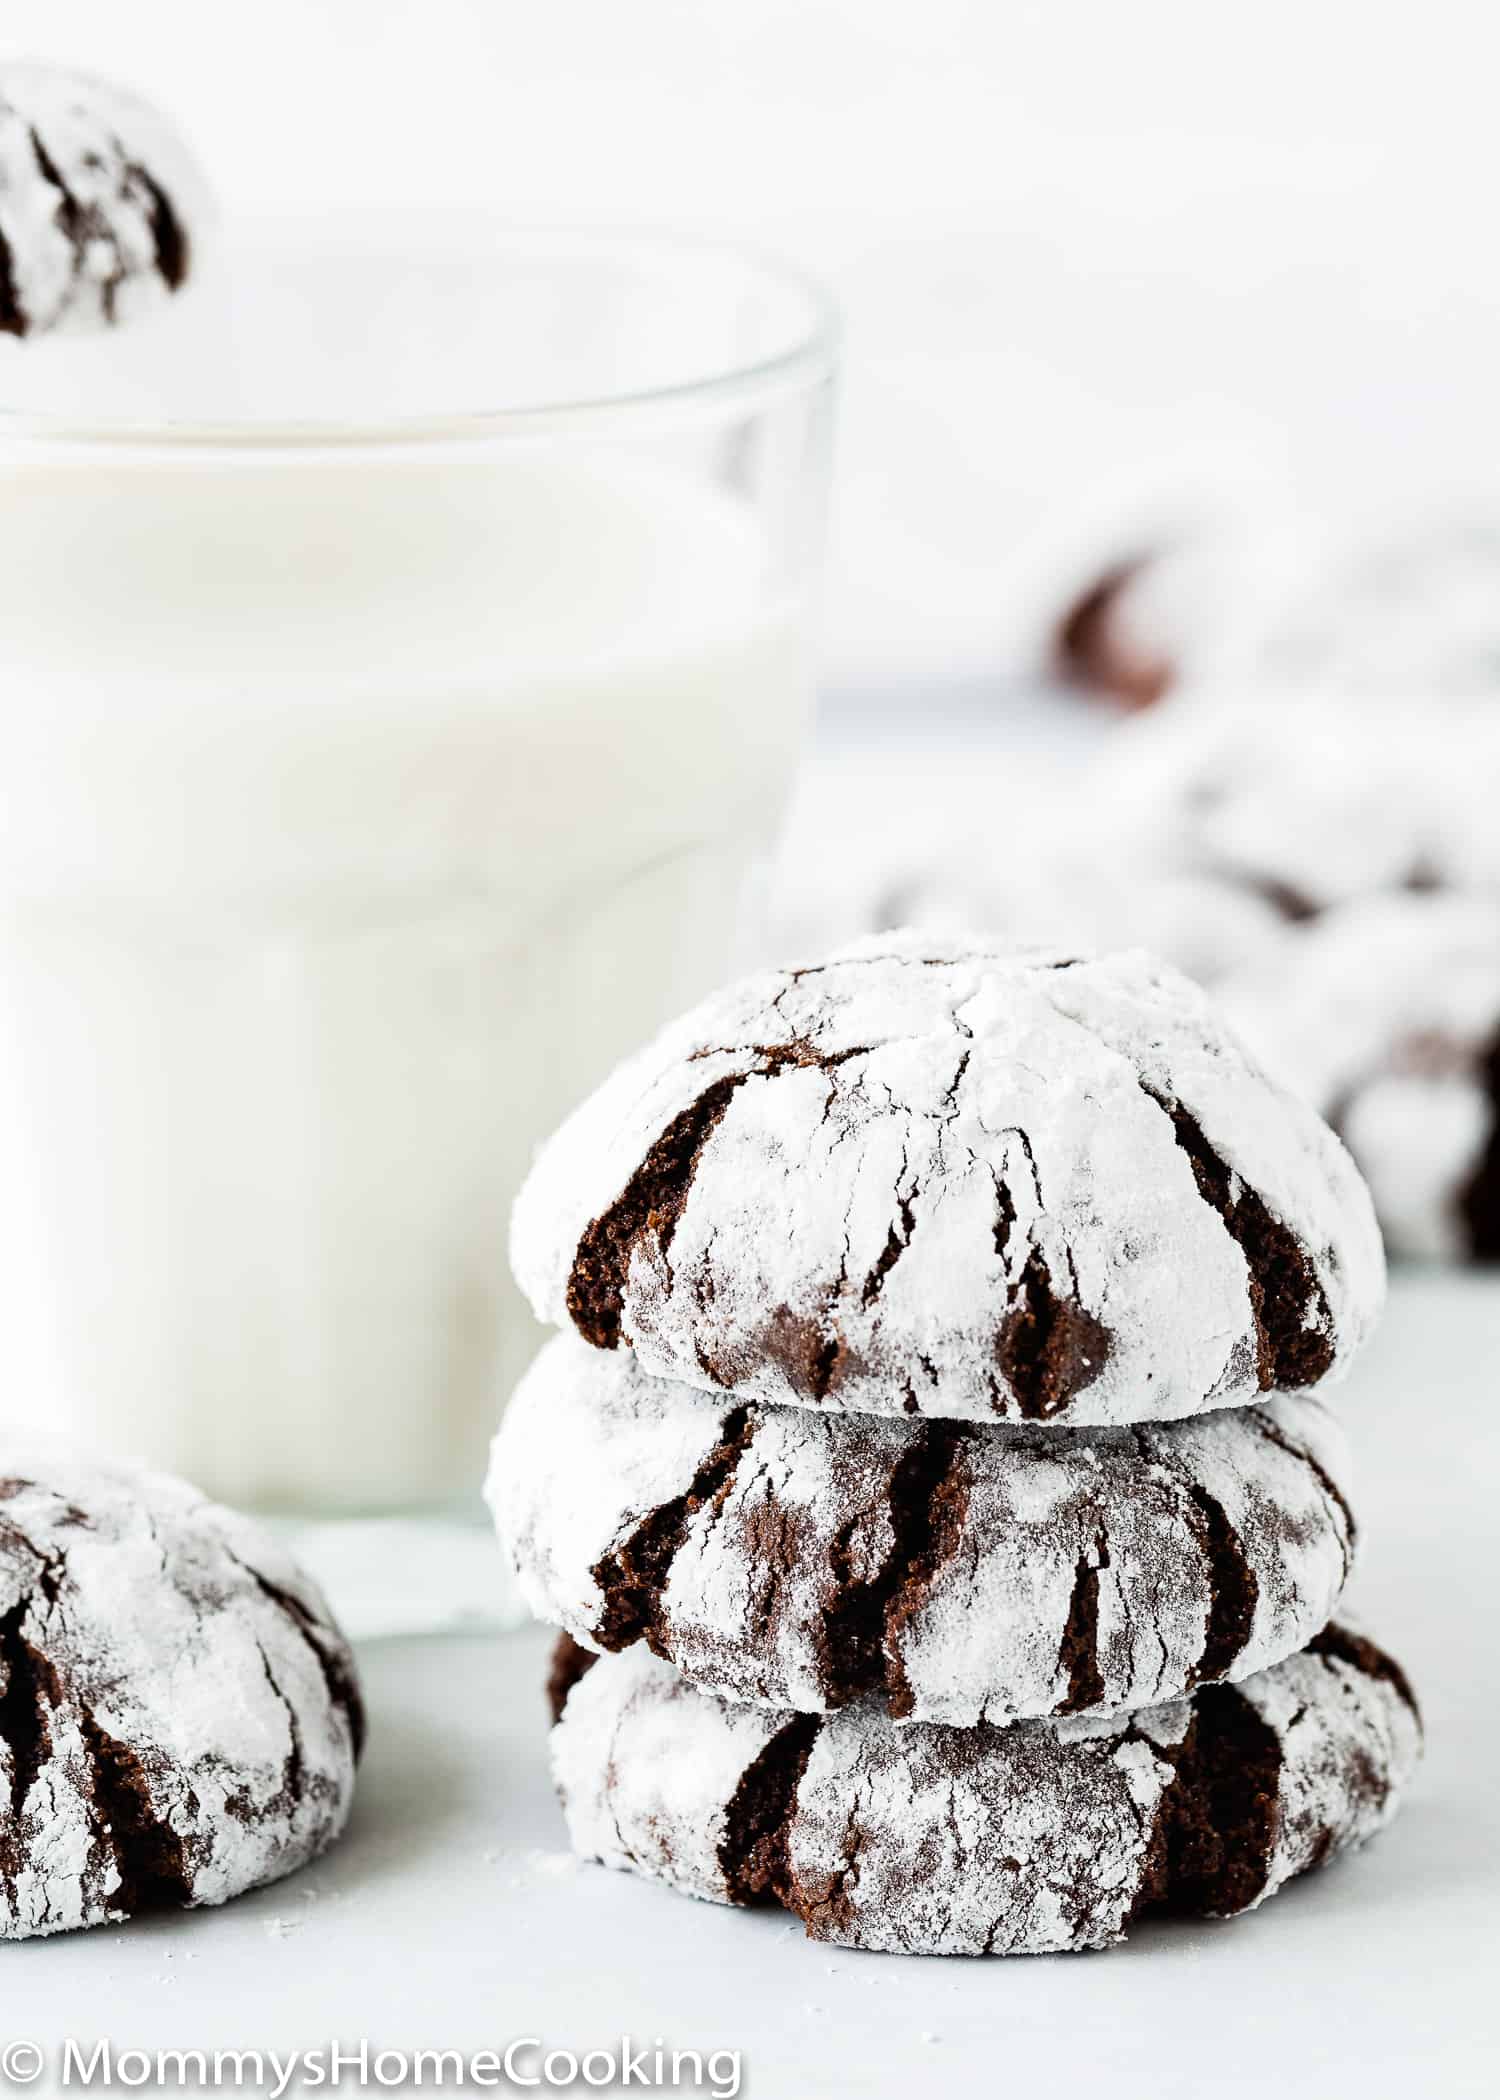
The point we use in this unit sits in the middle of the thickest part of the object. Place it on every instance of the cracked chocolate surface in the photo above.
(179, 1716)
(633, 1574)
(961, 1183)
(1479, 1195)
(950, 1572)
(1097, 645)
(570, 1661)
(1287, 1304)
(1386, 1014)
(98, 201)
(1042, 1837)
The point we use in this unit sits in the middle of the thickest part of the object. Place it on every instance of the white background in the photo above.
(1075, 241)
(1081, 245)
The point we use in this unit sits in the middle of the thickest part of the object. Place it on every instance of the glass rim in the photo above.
(810, 356)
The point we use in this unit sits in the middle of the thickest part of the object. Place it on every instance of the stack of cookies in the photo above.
(928, 1480)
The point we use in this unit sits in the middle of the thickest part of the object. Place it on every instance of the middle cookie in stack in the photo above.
(939, 1303)
(958, 1573)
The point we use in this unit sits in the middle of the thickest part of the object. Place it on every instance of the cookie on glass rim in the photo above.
(101, 203)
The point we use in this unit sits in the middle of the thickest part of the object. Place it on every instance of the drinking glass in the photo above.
(405, 645)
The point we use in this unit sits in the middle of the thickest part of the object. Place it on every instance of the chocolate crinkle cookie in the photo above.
(1303, 802)
(179, 1715)
(955, 1572)
(1086, 899)
(99, 200)
(1043, 1837)
(960, 1181)
(1386, 1015)
(1287, 603)
(1401, 610)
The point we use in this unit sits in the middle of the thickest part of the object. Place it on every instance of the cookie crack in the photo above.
(950, 1092)
(753, 1852)
(898, 1239)
(1288, 1306)
(1273, 1434)
(294, 1765)
(149, 1857)
(1209, 1854)
(571, 1662)
(1048, 1347)
(169, 237)
(1340, 1644)
(1005, 1213)
(862, 1631)
(827, 1905)
(653, 1200)
(80, 226)
(1233, 1587)
(1479, 1198)
(147, 1854)
(336, 1671)
(632, 1577)
(30, 1696)
(1078, 1650)
(14, 319)
(49, 1566)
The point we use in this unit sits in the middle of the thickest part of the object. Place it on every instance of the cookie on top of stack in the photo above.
(943, 1533)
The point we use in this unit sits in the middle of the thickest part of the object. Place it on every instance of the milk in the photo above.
(355, 815)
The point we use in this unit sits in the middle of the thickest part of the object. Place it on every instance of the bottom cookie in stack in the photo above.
(1041, 1837)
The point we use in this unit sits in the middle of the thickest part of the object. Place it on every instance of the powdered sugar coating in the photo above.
(1079, 895)
(1386, 1015)
(1310, 800)
(1044, 1837)
(959, 1575)
(1401, 610)
(99, 202)
(179, 1715)
(1199, 830)
(950, 1180)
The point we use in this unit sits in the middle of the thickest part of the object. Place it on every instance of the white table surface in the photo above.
(451, 1916)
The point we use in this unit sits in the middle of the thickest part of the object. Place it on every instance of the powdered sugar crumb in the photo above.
(536, 1868)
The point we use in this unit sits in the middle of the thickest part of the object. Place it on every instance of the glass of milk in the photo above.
(404, 650)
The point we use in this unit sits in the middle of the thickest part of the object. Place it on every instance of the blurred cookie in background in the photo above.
(1307, 802)
(1299, 604)
(1073, 897)
(1408, 610)
(1385, 1014)
(1201, 833)
(1136, 590)
(1000, 843)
